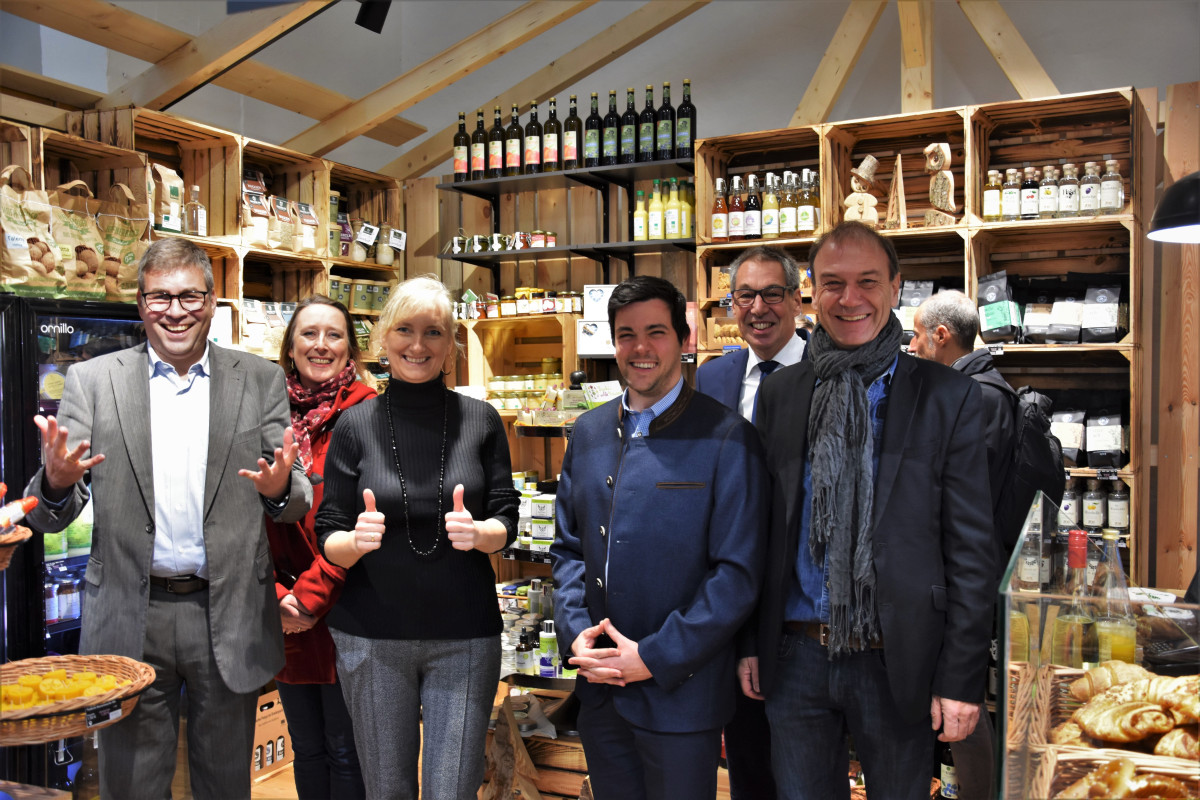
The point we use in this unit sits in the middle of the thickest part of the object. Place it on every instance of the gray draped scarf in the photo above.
(840, 450)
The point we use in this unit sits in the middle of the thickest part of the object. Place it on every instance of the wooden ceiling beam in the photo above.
(50, 90)
(190, 67)
(461, 59)
(916, 48)
(839, 60)
(611, 43)
(32, 112)
(114, 28)
(1009, 48)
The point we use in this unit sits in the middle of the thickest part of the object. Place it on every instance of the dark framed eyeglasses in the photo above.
(770, 295)
(161, 301)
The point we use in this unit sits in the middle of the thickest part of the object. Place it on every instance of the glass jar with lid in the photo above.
(508, 306)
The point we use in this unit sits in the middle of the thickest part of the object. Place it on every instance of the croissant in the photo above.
(1179, 743)
(1068, 733)
(1122, 722)
(1117, 780)
(1174, 694)
(1109, 673)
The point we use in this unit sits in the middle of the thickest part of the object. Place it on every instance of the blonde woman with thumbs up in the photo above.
(418, 492)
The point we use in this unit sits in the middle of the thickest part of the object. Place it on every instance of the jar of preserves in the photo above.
(385, 256)
(537, 301)
(508, 306)
(550, 303)
(50, 595)
(68, 599)
(537, 239)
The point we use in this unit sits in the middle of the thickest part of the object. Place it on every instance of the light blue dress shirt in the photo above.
(179, 418)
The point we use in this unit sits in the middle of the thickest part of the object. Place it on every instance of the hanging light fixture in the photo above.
(1177, 216)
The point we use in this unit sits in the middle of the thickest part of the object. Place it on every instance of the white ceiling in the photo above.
(749, 60)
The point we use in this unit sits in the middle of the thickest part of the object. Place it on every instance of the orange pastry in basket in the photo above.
(1123, 722)
(1105, 676)
(1117, 780)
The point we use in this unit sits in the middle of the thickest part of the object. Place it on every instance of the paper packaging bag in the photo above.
(168, 199)
(256, 220)
(30, 263)
(123, 222)
(306, 227)
(77, 235)
(281, 232)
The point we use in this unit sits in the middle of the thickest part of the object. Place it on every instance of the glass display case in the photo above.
(1100, 695)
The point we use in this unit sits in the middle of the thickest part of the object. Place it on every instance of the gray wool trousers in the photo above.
(393, 685)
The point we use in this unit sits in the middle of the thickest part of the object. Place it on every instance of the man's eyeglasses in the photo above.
(770, 295)
(161, 301)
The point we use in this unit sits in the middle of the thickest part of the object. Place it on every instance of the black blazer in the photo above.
(933, 553)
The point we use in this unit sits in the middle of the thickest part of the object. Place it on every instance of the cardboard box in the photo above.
(593, 338)
(272, 744)
(595, 301)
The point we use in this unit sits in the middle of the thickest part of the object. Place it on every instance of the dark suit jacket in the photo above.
(107, 400)
(721, 378)
(933, 548)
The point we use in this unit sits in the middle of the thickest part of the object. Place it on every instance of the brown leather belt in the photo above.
(183, 584)
(819, 632)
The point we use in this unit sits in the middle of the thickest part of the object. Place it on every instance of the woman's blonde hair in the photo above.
(424, 293)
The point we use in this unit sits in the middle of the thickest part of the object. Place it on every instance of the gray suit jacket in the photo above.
(107, 400)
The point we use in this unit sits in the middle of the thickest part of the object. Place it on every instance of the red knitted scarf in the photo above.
(312, 409)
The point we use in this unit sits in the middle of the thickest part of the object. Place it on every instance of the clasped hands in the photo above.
(461, 528)
(64, 468)
(618, 666)
(294, 616)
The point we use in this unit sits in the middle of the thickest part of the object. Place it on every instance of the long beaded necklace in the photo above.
(437, 523)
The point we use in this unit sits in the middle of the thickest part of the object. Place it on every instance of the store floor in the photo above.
(282, 786)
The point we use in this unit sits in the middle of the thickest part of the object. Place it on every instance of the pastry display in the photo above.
(1119, 779)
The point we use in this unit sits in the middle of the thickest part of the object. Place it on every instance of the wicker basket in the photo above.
(1053, 704)
(1062, 766)
(9, 542)
(69, 717)
(1020, 700)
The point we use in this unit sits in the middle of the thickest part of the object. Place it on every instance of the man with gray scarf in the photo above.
(875, 613)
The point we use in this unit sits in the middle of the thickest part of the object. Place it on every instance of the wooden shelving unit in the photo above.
(1071, 128)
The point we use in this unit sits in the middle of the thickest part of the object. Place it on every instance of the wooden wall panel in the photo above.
(1178, 449)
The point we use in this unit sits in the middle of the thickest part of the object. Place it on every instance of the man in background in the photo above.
(944, 330)
(190, 445)
(766, 302)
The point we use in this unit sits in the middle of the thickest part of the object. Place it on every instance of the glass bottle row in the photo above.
(670, 218)
(653, 135)
(789, 205)
(1051, 194)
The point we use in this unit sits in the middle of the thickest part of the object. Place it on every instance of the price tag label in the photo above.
(105, 712)
(1106, 474)
(726, 302)
(687, 358)
(509, 555)
(996, 349)
(397, 239)
(367, 234)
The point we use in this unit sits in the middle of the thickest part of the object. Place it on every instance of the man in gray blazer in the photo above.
(187, 444)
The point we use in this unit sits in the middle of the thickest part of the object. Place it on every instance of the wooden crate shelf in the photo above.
(16, 146)
(1071, 128)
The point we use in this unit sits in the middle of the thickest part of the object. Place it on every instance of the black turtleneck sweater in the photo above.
(393, 592)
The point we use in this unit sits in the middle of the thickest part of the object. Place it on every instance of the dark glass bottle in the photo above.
(479, 143)
(612, 132)
(628, 146)
(591, 135)
(462, 150)
(552, 140)
(514, 143)
(685, 124)
(572, 137)
(646, 127)
(664, 137)
(533, 142)
(495, 165)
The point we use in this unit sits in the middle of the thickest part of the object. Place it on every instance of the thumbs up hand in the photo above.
(369, 529)
(460, 525)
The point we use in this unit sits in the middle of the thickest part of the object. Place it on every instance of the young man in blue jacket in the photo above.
(661, 536)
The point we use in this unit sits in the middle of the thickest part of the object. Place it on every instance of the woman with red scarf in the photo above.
(321, 358)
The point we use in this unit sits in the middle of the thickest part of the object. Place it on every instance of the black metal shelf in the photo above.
(599, 251)
(594, 177)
